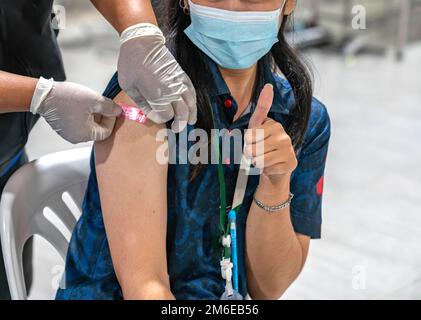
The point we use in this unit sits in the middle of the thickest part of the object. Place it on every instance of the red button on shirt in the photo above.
(228, 103)
(319, 186)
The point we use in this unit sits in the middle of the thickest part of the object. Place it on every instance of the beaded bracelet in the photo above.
(276, 208)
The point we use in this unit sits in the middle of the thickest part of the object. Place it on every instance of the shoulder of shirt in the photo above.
(318, 129)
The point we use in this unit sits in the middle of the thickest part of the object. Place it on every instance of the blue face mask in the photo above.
(233, 39)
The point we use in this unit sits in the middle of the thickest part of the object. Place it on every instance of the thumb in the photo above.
(107, 108)
(101, 131)
(263, 106)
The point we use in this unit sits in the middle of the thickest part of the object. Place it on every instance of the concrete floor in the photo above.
(372, 207)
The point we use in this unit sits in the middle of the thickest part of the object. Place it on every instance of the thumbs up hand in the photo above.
(268, 145)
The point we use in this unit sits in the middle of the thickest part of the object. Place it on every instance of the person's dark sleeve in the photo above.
(307, 180)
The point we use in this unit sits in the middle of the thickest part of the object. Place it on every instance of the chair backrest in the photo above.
(55, 183)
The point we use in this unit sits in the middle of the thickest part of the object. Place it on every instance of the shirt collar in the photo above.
(282, 90)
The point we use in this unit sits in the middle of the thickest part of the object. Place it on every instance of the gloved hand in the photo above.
(151, 76)
(69, 109)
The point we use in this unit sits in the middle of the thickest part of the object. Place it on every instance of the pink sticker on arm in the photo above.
(132, 113)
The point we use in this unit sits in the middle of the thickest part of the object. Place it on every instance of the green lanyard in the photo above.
(224, 226)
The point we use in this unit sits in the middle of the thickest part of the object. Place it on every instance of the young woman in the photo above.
(155, 233)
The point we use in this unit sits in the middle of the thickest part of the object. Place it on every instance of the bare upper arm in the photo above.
(132, 186)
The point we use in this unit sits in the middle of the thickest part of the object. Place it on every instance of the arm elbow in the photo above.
(270, 293)
(151, 289)
(274, 287)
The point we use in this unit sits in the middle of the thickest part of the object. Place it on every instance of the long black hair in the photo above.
(282, 55)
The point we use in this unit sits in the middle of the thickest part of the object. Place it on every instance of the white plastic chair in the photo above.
(48, 182)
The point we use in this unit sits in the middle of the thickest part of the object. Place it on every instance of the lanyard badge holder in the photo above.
(229, 261)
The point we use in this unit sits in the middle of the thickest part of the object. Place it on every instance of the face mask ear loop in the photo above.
(185, 7)
(283, 7)
(282, 16)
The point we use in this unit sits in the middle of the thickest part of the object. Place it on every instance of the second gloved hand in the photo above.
(151, 76)
(69, 109)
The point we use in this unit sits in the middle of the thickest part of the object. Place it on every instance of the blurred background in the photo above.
(366, 58)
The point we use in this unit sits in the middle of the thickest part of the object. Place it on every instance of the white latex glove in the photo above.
(151, 76)
(69, 109)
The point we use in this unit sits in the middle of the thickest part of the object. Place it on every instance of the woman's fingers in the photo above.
(278, 142)
(266, 142)
(273, 163)
(268, 128)
(283, 143)
(266, 138)
(263, 106)
(267, 160)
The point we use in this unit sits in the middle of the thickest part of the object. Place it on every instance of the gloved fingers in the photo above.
(103, 129)
(181, 116)
(106, 107)
(144, 106)
(162, 114)
(139, 100)
(191, 101)
(148, 70)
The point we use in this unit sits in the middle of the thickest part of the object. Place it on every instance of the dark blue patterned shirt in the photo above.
(193, 250)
